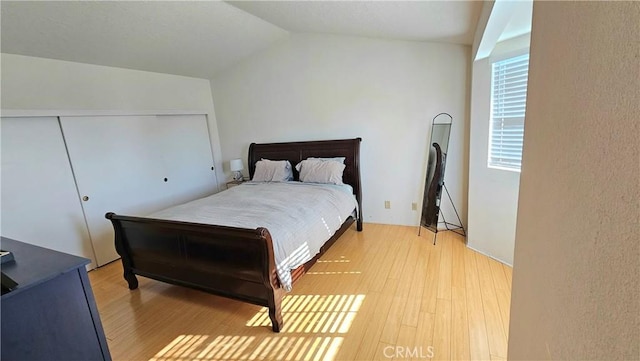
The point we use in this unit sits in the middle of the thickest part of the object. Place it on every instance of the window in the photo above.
(508, 103)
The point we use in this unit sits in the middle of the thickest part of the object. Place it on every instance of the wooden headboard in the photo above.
(295, 152)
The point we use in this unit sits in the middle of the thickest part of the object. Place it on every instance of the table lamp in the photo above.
(236, 166)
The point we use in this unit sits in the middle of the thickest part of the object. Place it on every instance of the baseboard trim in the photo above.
(488, 255)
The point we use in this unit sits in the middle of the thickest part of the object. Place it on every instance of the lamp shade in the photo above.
(236, 165)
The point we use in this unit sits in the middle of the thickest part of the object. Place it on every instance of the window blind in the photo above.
(508, 103)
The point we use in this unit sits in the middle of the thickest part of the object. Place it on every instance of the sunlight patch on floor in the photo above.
(196, 348)
(314, 313)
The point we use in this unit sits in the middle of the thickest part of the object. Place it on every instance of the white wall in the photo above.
(312, 87)
(41, 86)
(576, 277)
(493, 193)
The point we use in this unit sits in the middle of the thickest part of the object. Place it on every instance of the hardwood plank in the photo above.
(495, 330)
(424, 333)
(430, 290)
(369, 310)
(457, 262)
(508, 272)
(379, 263)
(500, 281)
(478, 337)
(460, 349)
(406, 341)
(373, 332)
(442, 330)
(382, 351)
(414, 298)
(400, 256)
(504, 303)
(394, 321)
(444, 277)
(406, 279)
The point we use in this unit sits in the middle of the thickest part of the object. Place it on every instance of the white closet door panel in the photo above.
(117, 168)
(40, 203)
(186, 156)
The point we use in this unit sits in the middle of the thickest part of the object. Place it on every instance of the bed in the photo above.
(233, 262)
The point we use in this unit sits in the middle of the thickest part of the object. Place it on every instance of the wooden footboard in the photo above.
(232, 262)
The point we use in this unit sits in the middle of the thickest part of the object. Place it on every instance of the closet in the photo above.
(60, 175)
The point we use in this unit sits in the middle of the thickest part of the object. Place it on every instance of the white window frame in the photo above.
(492, 61)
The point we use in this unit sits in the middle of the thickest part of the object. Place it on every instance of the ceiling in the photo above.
(192, 38)
(201, 38)
(442, 21)
(520, 20)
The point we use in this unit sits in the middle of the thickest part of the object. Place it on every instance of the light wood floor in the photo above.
(384, 293)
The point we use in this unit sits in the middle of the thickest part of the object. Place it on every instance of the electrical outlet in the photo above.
(387, 204)
(414, 206)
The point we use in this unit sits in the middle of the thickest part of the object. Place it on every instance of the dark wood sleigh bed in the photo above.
(237, 263)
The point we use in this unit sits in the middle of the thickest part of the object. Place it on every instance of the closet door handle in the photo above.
(85, 198)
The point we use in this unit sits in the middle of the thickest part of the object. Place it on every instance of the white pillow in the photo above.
(273, 171)
(320, 171)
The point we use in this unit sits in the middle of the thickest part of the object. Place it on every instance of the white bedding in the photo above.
(300, 217)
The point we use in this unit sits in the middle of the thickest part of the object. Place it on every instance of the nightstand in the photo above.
(234, 183)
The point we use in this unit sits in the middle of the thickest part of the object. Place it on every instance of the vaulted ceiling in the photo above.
(201, 38)
(441, 21)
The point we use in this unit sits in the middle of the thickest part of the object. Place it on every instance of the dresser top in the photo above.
(33, 265)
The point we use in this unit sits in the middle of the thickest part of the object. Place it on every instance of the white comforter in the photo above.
(301, 217)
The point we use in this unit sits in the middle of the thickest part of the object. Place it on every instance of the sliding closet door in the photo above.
(134, 165)
(117, 170)
(40, 203)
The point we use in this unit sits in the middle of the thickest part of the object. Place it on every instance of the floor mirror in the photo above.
(434, 180)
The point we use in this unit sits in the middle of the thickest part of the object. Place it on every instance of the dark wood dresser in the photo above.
(51, 314)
